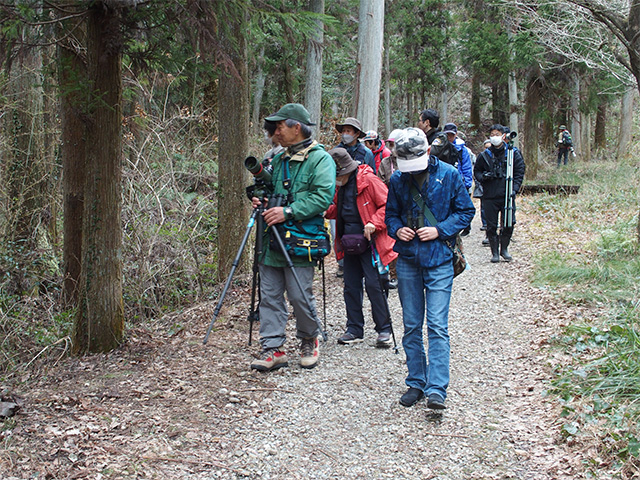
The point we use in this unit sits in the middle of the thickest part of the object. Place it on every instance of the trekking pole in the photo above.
(384, 286)
(236, 261)
(287, 258)
(508, 201)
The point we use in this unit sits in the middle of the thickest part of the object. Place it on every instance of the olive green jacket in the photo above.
(313, 182)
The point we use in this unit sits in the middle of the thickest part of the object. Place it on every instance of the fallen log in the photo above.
(551, 189)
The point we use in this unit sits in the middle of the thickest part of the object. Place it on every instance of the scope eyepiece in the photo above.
(257, 170)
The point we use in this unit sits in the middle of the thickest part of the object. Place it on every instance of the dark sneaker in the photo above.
(309, 352)
(349, 338)
(485, 242)
(466, 231)
(411, 397)
(340, 272)
(393, 284)
(436, 402)
(270, 359)
(483, 228)
(384, 340)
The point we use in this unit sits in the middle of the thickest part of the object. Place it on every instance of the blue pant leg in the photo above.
(438, 282)
(412, 299)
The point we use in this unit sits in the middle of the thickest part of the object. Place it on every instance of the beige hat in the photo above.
(353, 122)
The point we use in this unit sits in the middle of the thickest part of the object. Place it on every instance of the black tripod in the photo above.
(256, 217)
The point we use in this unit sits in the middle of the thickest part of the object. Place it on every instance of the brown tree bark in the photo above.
(474, 112)
(600, 136)
(72, 83)
(531, 136)
(99, 321)
(233, 114)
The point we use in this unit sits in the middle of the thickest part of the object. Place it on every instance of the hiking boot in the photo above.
(466, 231)
(435, 402)
(505, 239)
(383, 340)
(309, 352)
(393, 284)
(485, 242)
(270, 359)
(340, 272)
(349, 338)
(411, 397)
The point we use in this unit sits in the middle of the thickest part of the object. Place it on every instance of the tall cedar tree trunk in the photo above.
(99, 321)
(531, 140)
(576, 124)
(474, 112)
(626, 123)
(387, 88)
(370, 36)
(233, 114)
(72, 82)
(600, 134)
(313, 87)
(24, 166)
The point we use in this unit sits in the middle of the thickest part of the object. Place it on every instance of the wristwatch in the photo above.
(288, 213)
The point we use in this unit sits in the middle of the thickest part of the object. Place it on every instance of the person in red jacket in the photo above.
(374, 143)
(358, 207)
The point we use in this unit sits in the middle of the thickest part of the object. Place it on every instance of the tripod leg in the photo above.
(235, 263)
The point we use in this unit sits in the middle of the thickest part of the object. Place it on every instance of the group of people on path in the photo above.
(395, 202)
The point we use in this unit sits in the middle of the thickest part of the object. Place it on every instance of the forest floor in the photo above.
(167, 406)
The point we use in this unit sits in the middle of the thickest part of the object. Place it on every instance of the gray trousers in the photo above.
(273, 309)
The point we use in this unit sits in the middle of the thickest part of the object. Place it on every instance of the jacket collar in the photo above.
(302, 154)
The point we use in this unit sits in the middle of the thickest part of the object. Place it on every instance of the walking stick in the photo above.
(385, 292)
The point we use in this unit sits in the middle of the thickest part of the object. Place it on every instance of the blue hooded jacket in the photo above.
(448, 200)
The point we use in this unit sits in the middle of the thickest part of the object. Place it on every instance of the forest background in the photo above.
(125, 125)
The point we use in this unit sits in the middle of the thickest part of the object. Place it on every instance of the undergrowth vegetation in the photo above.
(590, 259)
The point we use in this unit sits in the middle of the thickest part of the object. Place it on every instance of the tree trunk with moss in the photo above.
(99, 321)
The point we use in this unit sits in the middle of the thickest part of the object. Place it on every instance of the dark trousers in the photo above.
(357, 267)
(563, 152)
(494, 208)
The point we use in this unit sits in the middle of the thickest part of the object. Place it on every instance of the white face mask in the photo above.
(347, 139)
(496, 141)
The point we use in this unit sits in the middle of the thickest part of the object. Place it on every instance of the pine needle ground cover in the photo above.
(587, 254)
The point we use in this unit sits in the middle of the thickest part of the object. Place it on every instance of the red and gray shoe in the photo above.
(309, 352)
(270, 359)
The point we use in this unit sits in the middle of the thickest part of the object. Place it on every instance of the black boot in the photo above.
(505, 239)
(494, 244)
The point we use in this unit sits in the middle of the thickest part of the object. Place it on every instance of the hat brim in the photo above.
(340, 126)
(450, 131)
(414, 165)
(352, 167)
(279, 118)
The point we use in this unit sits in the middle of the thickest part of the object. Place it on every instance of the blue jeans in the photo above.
(418, 286)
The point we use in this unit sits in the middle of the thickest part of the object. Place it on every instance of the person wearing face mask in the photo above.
(362, 241)
(427, 205)
(350, 134)
(491, 172)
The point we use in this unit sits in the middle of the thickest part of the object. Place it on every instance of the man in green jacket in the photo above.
(312, 179)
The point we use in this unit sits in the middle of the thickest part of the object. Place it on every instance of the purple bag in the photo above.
(354, 243)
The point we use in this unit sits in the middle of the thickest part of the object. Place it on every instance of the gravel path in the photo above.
(165, 406)
(342, 420)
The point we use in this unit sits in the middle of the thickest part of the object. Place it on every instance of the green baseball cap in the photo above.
(293, 111)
